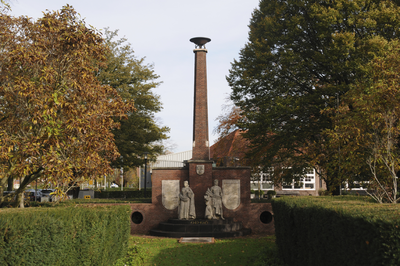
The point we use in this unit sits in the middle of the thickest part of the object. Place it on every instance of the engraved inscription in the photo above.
(198, 222)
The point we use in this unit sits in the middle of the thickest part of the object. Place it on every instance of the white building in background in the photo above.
(172, 160)
(308, 182)
(169, 160)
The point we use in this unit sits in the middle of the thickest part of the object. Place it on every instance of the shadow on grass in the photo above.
(232, 251)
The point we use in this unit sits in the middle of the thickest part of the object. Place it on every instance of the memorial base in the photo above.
(200, 228)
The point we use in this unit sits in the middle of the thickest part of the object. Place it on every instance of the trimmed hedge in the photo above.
(329, 231)
(128, 194)
(80, 235)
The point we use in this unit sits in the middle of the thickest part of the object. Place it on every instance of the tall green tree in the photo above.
(301, 57)
(55, 116)
(368, 124)
(134, 80)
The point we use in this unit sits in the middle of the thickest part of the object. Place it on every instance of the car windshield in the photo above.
(47, 191)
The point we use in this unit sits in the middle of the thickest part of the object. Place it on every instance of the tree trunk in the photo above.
(10, 184)
(19, 201)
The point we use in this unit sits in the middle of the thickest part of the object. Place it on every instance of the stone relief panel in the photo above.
(170, 194)
(231, 193)
(213, 200)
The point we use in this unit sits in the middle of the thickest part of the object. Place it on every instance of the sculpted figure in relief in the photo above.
(209, 208)
(213, 198)
(186, 210)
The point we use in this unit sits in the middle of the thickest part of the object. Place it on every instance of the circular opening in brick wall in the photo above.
(266, 217)
(137, 217)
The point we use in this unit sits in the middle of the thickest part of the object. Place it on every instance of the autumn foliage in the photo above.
(367, 125)
(55, 116)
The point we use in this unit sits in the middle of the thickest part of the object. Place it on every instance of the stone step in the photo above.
(242, 232)
(200, 228)
(201, 221)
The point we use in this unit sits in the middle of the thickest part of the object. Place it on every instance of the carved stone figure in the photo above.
(209, 208)
(186, 210)
(213, 198)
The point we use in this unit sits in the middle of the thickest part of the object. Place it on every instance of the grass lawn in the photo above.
(155, 251)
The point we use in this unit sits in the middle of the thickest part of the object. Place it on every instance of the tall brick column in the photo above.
(201, 145)
(200, 166)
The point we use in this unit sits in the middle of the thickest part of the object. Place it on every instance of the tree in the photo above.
(134, 81)
(368, 124)
(55, 116)
(227, 122)
(230, 149)
(301, 56)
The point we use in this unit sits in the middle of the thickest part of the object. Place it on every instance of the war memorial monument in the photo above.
(199, 200)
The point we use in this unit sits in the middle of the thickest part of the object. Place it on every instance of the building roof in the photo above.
(172, 160)
(233, 145)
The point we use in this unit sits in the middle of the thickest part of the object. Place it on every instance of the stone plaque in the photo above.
(231, 193)
(197, 240)
(170, 194)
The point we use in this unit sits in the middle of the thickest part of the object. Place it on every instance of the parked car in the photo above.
(7, 192)
(47, 193)
(113, 185)
(31, 194)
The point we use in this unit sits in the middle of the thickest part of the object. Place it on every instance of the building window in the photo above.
(265, 182)
(307, 182)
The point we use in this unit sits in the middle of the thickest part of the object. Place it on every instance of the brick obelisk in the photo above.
(200, 166)
(201, 147)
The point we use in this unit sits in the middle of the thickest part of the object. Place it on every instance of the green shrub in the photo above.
(258, 192)
(323, 192)
(336, 231)
(79, 235)
(136, 255)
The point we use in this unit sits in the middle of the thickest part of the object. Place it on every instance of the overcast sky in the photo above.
(160, 31)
